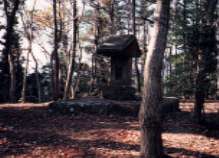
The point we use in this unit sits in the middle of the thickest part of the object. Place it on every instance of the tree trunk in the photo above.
(8, 52)
(97, 34)
(77, 81)
(38, 83)
(112, 30)
(23, 93)
(37, 77)
(55, 57)
(12, 78)
(145, 42)
(205, 49)
(73, 54)
(138, 77)
(28, 29)
(217, 42)
(149, 117)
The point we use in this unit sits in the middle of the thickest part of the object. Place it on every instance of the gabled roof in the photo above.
(120, 45)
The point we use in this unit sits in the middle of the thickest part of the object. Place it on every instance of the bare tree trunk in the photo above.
(138, 77)
(8, 53)
(23, 93)
(170, 61)
(199, 98)
(96, 42)
(55, 57)
(38, 83)
(151, 141)
(28, 29)
(12, 78)
(145, 42)
(34, 58)
(77, 81)
(206, 38)
(129, 18)
(217, 42)
(37, 77)
(112, 17)
(72, 62)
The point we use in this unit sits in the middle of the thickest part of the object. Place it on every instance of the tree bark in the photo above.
(8, 52)
(138, 76)
(145, 42)
(217, 43)
(37, 77)
(77, 81)
(73, 54)
(97, 35)
(12, 78)
(28, 30)
(149, 118)
(205, 48)
(55, 57)
(23, 93)
(112, 30)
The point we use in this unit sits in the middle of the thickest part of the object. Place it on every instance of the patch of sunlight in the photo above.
(106, 152)
(191, 142)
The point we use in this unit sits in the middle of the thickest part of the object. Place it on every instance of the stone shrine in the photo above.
(121, 49)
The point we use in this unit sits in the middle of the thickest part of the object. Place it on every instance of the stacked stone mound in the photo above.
(95, 106)
(109, 107)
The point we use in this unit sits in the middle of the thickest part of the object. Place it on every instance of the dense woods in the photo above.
(138, 51)
(76, 27)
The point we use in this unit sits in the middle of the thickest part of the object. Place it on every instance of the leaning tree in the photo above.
(151, 141)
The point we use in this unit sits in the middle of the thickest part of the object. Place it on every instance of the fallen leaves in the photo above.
(30, 131)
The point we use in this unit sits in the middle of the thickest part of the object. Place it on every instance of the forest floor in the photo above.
(28, 130)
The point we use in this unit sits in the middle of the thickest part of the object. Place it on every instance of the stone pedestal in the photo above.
(119, 93)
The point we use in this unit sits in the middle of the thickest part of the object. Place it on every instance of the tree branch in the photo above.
(1, 42)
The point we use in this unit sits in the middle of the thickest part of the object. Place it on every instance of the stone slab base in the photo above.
(109, 107)
(119, 93)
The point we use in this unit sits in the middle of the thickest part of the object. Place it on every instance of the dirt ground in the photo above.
(28, 130)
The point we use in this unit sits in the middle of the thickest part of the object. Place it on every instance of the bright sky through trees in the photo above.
(41, 42)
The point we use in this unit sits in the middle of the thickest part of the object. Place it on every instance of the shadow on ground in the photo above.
(24, 130)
